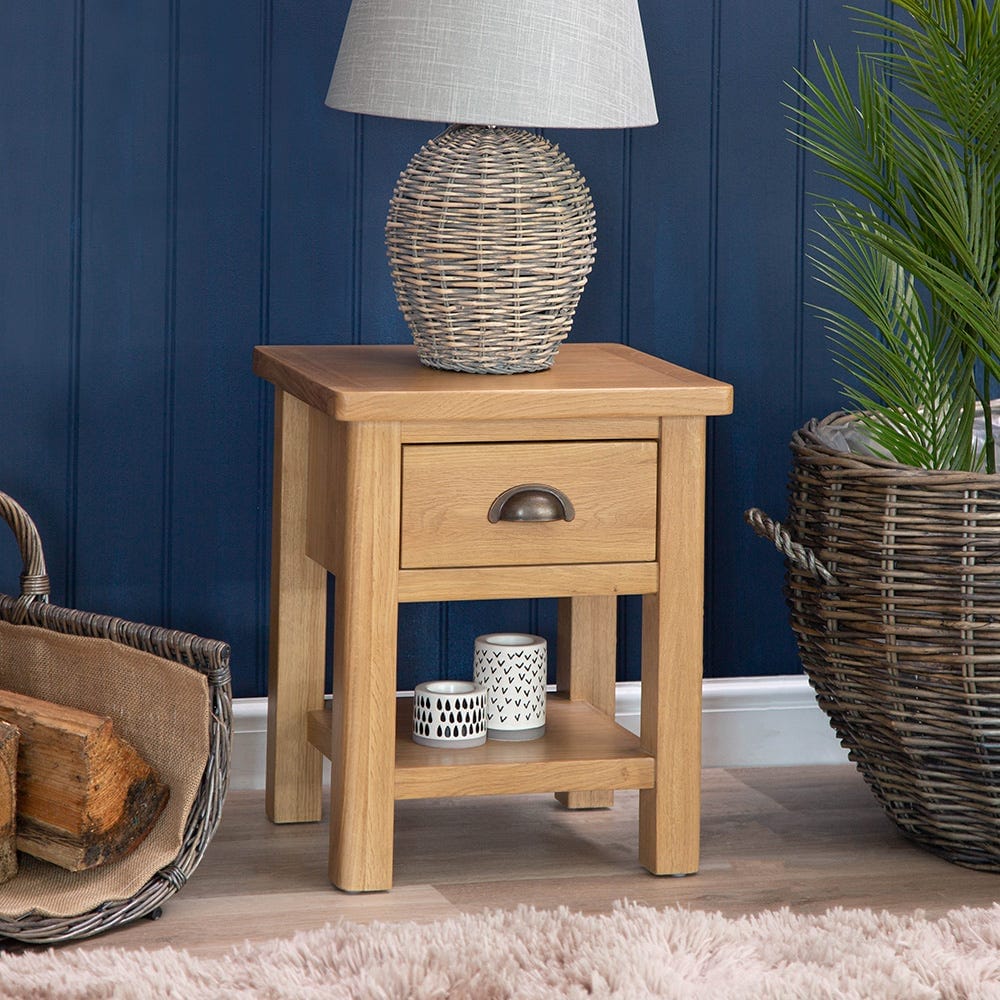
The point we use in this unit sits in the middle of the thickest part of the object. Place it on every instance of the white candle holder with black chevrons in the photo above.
(513, 668)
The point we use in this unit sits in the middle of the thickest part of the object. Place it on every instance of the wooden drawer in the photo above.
(448, 491)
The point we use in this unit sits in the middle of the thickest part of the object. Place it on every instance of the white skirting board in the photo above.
(746, 722)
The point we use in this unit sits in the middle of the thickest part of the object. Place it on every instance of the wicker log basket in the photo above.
(893, 582)
(168, 693)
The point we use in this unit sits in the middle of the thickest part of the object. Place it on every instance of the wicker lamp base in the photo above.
(490, 236)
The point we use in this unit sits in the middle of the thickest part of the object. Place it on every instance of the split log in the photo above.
(84, 796)
(9, 736)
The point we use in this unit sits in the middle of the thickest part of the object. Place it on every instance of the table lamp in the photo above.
(491, 231)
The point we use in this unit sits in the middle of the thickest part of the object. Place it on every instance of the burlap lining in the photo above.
(162, 708)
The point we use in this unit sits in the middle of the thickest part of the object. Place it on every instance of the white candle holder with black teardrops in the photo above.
(449, 714)
(513, 667)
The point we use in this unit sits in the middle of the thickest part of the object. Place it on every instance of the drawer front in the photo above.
(448, 491)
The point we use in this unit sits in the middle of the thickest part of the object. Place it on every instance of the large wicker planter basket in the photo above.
(893, 582)
(168, 694)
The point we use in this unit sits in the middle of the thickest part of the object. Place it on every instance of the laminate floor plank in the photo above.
(809, 838)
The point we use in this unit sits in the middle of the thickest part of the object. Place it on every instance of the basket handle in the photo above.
(776, 532)
(34, 578)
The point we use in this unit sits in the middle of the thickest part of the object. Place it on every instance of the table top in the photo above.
(387, 382)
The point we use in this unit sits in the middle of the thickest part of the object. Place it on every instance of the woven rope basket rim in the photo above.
(808, 438)
(902, 645)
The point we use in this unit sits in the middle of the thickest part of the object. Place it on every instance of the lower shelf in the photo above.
(581, 750)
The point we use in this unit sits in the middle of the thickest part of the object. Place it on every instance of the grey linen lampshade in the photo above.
(491, 229)
(533, 63)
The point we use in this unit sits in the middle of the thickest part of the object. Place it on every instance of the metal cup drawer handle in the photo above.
(531, 502)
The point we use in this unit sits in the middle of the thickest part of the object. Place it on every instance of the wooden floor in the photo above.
(808, 838)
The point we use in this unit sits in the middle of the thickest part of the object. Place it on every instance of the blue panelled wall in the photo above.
(173, 191)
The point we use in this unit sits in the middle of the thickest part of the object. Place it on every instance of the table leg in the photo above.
(364, 672)
(670, 812)
(293, 790)
(586, 645)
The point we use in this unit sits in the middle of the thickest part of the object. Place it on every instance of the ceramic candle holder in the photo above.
(513, 668)
(449, 714)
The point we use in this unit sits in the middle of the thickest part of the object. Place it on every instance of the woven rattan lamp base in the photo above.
(490, 236)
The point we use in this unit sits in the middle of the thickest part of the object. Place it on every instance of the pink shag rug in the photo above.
(632, 953)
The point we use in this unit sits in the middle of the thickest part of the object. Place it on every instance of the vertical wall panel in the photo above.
(311, 162)
(121, 472)
(671, 188)
(600, 156)
(39, 100)
(831, 27)
(757, 233)
(222, 119)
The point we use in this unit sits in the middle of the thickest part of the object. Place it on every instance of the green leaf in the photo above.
(911, 243)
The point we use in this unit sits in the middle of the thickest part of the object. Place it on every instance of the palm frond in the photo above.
(912, 244)
(912, 382)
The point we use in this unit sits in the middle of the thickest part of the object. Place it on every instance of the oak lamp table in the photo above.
(385, 475)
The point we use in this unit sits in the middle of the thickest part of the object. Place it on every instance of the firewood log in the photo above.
(84, 796)
(9, 736)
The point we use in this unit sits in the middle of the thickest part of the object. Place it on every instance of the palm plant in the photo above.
(913, 244)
